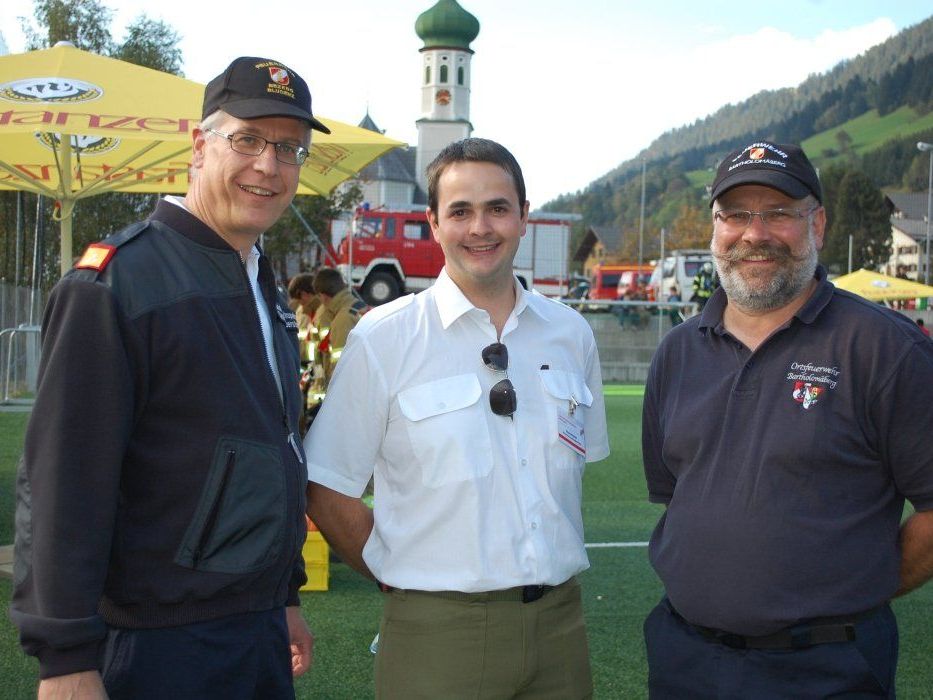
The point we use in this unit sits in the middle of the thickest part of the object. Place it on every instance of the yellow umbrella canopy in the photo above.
(878, 287)
(74, 124)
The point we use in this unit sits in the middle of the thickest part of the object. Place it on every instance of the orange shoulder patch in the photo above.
(96, 257)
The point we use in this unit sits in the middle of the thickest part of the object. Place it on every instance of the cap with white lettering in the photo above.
(783, 167)
(252, 87)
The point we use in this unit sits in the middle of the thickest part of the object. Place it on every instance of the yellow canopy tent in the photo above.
(74, 124)
(878, 287)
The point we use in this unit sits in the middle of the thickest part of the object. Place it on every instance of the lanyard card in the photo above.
(570, 433)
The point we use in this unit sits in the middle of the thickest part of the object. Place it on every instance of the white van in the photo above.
(678, 269)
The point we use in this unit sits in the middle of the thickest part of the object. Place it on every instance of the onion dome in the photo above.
(447, 25)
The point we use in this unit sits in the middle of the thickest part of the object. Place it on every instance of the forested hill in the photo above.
(893, 77)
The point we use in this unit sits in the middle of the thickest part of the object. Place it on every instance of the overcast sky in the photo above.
(573, 88)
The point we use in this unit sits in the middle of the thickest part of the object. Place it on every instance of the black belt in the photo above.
(524, 594)
(801, 636)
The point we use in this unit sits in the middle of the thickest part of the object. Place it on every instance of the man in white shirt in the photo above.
(474, 405)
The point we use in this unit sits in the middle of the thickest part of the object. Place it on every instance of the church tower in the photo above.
(446, 30)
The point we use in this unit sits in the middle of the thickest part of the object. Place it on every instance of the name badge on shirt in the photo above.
(570, 432)
(287, 316)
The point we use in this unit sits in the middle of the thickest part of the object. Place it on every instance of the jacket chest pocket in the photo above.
(567, 396)
(446, 424)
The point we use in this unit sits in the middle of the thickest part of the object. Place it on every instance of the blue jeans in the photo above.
(238, 657)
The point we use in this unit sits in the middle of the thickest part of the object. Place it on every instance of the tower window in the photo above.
(427, 75)
(444, 73)
(459, 75)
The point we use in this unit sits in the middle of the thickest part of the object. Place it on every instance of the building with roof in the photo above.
(390, 181)
(397, 180)
(908, 235)
(600, 245)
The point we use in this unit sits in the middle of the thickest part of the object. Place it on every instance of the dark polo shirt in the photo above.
(785, 470)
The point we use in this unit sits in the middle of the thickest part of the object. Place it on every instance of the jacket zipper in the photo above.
(281, 391)
(215, 507)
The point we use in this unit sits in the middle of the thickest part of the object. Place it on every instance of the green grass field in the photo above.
(619, 588)
(868, 131)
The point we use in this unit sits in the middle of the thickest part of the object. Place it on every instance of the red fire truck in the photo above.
(389, 253)
(610, 282)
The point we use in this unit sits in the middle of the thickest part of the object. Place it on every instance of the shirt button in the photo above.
(524, 462)
(534, 526)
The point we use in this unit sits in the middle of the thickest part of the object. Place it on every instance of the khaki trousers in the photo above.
(455, 645)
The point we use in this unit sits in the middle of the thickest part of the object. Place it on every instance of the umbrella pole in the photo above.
(66, 253)
(67, 203)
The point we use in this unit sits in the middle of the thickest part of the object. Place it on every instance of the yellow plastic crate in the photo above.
(317, 562)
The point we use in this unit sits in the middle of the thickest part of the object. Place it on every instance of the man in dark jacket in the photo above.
(160, 501)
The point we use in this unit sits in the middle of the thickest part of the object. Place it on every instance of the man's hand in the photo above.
(86, 685)
(916, 551)
(300, 639)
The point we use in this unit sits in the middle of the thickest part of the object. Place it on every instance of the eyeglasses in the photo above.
(741, 219)
(502, 398)
(251, 145)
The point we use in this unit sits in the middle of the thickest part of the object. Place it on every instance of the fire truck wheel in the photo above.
(379, 288)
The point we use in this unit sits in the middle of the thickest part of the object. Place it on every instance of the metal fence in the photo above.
(19, 363)
(627, 335)
(20, 315)
(628, 332)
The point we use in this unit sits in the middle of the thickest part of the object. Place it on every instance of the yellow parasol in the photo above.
(74, 124)
(878, 287)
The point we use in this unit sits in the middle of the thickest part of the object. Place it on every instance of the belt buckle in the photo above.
(532, 593)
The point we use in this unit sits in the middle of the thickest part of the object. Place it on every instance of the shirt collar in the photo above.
(819, 299)
(808, 313)
(452, 302)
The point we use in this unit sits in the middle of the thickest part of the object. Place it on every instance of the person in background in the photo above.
(340, 312)
(161, 498)
(483, 401)
(301, 293)
(674, 312)
(336, 316)
(305, 302)
(922, 326)
(783, 429)
(704, 284)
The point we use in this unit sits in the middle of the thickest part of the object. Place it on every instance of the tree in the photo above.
(288, 236)
(86, 24)
(693, 228)
(153, 44)
(844, 140)
(855, 207)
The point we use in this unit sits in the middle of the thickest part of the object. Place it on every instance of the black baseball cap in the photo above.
(784, 167)
(254, 87)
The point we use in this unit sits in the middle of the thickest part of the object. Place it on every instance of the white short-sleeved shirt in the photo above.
(465, 499)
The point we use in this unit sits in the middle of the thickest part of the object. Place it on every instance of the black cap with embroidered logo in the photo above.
(783, 167)
(253, 87)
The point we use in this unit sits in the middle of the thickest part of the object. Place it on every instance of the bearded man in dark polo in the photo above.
(784, 427)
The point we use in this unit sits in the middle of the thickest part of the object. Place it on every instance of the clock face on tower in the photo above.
(442, 97)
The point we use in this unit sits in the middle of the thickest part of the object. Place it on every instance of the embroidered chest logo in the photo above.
(812, 382)
(807, 394)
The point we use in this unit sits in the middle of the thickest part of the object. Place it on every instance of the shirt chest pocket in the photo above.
(446, 424)
(568, 396)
